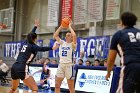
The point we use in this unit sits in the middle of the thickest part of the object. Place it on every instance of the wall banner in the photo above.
(97, 46)
(10, 48)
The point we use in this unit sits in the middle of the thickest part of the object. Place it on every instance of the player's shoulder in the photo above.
(62, 41)
(131, 29)
(117, 36)
(118, 33)
(136, 29)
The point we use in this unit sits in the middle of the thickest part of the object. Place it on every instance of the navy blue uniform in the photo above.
(129, 41)
(45, 75)
(20, 69)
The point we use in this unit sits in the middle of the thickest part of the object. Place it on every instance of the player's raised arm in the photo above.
(36, 24)
(56, 34)
(74, 37)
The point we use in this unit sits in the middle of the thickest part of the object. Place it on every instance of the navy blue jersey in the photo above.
(28, 51)
(45, 75)
(129, 41)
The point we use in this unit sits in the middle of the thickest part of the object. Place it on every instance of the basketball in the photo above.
(65, 22)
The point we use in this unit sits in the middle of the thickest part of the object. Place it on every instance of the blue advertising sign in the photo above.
(11, 48)
(97, 46)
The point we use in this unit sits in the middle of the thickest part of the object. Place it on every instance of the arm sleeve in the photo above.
(115, 40)
(38, 48)
(34, 29)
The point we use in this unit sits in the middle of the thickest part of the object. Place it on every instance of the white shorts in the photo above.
(66, 70)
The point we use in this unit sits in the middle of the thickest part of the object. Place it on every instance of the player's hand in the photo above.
(61, 26)
(70, 24)
(107, 76)
(36, 22)
(41, 81)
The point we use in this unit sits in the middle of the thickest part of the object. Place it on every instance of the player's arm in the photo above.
(6, 66)
(38, 48)
(112, 53)
(56, 34)
(74, 37)
(110, 61)
(56, 45)
(42, 76)
(36, 24)
(48, 75)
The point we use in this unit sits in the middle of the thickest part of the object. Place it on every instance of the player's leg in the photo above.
(30, 82)
(15, 84)
(58, 82)
(138, 79)
(138, 88)
(48, 82)
(70, 75)
(120, 84)
(129, 83)
(15, 78)
(138, 84)
(59, 77)
(71, 85)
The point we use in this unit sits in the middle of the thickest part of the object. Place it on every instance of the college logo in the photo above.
(82, 80)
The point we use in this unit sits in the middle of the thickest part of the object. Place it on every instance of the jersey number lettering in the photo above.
(24, 48)
(64, 53)
(133, 37)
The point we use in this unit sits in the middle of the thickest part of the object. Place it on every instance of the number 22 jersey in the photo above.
(66, 51)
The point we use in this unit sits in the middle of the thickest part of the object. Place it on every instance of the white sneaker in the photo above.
(45, 85)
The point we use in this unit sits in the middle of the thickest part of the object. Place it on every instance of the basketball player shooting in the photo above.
(66, 66)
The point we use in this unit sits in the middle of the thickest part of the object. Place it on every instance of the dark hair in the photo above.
(97, 60)
(31, 37)
(128, 19)
(88, 61)
(81, 60)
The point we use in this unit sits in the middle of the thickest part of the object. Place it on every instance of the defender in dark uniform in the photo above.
(20, 69)
(127, 43)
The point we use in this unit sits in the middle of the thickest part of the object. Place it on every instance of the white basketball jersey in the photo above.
(65, 52)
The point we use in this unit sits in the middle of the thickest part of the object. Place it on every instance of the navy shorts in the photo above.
(131, 81)
(18, 71)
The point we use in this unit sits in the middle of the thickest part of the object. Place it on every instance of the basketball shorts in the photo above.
(130, 79)
(20, 71)
(66, 70)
